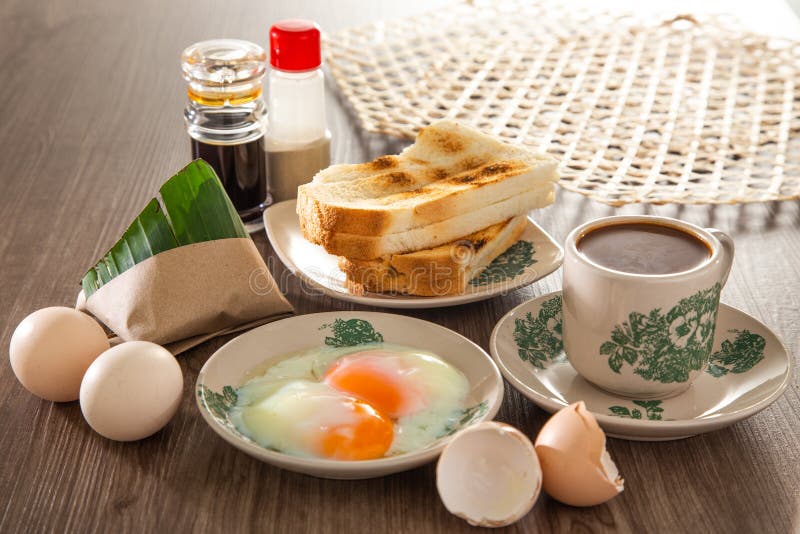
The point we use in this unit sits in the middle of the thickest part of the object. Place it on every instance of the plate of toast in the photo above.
(445, 222)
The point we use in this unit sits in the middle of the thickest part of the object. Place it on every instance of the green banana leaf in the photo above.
(195, 209)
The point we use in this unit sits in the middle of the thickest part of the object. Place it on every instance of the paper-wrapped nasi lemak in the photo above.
(184, 271)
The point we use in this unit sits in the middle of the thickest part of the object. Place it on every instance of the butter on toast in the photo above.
(452, 181)
(442, 270)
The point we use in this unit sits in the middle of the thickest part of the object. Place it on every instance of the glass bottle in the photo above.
(226, 119)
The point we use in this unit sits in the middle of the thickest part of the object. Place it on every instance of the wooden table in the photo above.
(91, 125)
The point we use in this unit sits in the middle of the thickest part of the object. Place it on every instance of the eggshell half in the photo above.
(489, 475)
(577, 468)
(51, 349)
(131, 391)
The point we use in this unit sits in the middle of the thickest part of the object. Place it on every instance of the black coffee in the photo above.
(643, 248)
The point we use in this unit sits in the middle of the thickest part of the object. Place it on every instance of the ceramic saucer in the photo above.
(227, 369)
(532, 257)
(750, 368)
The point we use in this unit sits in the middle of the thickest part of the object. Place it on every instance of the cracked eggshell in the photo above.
(489, 475)
(577, 468)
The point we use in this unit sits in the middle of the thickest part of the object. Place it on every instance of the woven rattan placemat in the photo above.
(685, 111)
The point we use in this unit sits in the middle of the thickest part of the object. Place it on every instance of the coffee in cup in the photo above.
(640, 302)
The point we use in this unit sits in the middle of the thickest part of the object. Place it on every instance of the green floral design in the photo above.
(652, 410)
(739, 355)
(507, 265)
(468, 416)
(666, 347)
(219, 404)
(351, 332)
(539, 337)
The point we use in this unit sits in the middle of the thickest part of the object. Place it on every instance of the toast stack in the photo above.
(426, 221)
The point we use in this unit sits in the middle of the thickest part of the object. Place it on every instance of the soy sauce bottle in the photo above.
(226, 119)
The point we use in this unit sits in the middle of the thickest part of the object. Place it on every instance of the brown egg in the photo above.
(576, 467)
(131, 391)
(51, 350)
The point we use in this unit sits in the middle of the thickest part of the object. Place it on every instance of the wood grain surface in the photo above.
(91, 100)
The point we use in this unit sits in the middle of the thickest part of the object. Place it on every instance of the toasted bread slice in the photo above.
(356, 246)
(449, 172)
(443, 270)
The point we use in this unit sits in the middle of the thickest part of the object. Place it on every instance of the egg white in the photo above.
(287, 417)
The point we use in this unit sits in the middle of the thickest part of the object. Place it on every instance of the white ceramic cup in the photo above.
(644, 336)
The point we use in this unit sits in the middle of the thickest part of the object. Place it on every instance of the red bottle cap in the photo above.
(294, 45)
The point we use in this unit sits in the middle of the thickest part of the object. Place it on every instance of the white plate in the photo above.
(755, 372)
(534, 256)
(226, 368)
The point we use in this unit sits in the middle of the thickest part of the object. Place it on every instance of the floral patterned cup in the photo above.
(642, 335)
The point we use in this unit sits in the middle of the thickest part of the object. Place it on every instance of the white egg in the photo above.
(131, 391)
(51, 349)
(489, 475)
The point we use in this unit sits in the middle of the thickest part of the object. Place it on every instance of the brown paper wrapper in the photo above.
(185, 296)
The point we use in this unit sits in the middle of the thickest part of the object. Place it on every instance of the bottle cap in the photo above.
(294, 45)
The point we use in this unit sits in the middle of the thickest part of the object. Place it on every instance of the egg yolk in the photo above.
(383, 388)
(368, 437)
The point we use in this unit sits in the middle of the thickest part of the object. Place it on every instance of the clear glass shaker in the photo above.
(226, 119)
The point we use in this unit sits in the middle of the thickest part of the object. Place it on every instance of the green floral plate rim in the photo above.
(749, 369)
(535, 255)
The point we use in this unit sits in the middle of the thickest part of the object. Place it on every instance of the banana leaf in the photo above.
(194, 208)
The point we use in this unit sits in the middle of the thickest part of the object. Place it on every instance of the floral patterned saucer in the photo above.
(749, 369)
(533, 256)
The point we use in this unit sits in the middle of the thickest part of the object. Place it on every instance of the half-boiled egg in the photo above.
(314, 420)
(398, 383)
(292, 405)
